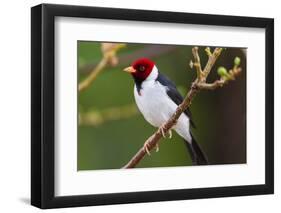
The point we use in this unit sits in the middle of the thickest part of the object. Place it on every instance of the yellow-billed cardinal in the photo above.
(157, 98)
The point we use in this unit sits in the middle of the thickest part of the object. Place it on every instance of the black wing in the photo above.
(174, 94)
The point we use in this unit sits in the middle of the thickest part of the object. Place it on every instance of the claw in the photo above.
(170, 133)
(145, 147)
(163, 133)
(157, 148)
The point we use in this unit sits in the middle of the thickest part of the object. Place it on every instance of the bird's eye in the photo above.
(141, 68)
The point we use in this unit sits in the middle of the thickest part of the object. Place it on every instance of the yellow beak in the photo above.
(129, 70)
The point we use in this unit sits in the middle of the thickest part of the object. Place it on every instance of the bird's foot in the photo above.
(163, 133)
(146, 148)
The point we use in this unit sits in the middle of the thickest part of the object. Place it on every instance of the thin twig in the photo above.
(198, 84)
(93, 75)
(98, 117)
(220, 82)
(108, 57)
(211, 61)
(150, 51)
(197, 63)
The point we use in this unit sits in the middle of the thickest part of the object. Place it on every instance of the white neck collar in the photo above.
(153, 75)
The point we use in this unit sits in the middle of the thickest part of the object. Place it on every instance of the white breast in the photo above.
(157, 107)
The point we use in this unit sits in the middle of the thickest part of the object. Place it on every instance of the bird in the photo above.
(157, 98)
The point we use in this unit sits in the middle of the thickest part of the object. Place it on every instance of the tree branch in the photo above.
(98, 117)
(211, 61)
(109, 57)
(198, 84)
(197, 63)
(150, 51)
(220, 82)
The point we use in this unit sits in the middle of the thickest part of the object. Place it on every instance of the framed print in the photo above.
(139, 106)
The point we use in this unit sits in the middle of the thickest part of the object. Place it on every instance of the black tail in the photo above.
(197, 155)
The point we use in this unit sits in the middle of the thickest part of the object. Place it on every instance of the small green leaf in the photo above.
(237, 61)
(208, 51)
(222, 72)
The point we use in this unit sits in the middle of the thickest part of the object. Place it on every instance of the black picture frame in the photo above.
(43, 102)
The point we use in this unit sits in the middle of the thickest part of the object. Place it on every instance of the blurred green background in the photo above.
(111, 130)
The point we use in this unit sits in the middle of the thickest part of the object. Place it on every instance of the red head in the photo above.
(140, 68)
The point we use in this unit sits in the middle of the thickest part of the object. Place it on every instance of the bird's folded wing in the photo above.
(174, 94)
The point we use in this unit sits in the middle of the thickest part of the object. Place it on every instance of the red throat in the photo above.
(143, 67)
